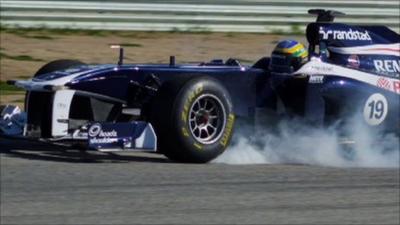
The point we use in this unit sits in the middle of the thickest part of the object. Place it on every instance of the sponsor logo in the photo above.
(98, 136)
(96, 131)
(61, 105)
(103, 140)
(316, 80)
(388, 85)
(325, 34)
(353, 61)
(388, 66)
(323, 69)
(349, 35)
(228, 130)
(189, 101)
(396, 86)
(383, 83)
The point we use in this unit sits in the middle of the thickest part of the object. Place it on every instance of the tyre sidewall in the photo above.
(180, 113)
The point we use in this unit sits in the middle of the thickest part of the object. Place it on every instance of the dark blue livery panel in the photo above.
(188, 112)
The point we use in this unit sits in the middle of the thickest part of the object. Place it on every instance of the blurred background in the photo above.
(272, 16)
(35, 32)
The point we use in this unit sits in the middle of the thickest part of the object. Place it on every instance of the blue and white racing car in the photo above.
(188, 112)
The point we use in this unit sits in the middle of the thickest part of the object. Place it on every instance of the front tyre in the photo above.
(60, 64)
(193, 119)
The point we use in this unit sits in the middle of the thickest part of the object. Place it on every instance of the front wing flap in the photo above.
(101, 136)
(114, 136)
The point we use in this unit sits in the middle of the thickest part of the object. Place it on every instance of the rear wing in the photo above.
(331, 34)
(343, 35)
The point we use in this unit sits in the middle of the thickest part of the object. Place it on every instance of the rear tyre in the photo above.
(193, 119)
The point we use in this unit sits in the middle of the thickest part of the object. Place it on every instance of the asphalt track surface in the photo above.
(51, 185)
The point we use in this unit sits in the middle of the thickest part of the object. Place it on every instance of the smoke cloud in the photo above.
(293, 142)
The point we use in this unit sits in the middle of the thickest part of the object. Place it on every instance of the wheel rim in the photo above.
(207, 119)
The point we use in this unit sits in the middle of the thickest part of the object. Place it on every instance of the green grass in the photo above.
(190, 30)
(48, 34)
(42, 33)
(11, 92)
(135, 35)
(97, 33)
(24, 77)
(230, 34)
(28, 33)
(134, 45)
(278, 32)
(20, 100)
(175, 30)
(6, 89)
(20, 57)
(296, 29)
(41, 37)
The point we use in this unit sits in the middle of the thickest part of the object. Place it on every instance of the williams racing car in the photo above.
(188, 112)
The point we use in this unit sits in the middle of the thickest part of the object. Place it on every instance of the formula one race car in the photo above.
(188, 112)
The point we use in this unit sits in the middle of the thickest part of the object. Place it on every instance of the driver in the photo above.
(287, 57)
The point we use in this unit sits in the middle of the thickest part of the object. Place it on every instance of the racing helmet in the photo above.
(288, 56)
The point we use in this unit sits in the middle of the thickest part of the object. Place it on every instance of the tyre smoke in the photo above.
(293, 142)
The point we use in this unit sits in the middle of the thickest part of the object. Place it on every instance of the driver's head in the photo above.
(288, 56)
